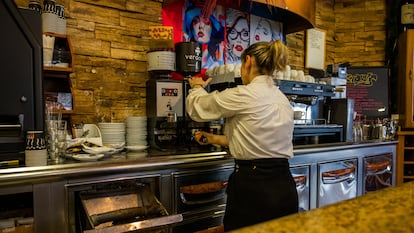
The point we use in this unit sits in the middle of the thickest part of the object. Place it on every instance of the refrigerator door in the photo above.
(337, 181)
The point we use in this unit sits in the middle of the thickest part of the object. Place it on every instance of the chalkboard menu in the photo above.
(368, 86)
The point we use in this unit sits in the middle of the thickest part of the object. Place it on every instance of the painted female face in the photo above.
(263, 31)
(202, 29)
(238, 37)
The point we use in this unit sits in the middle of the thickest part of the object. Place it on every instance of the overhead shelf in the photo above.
(297, 15)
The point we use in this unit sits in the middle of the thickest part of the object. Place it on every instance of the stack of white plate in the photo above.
(112, 133)
(136, 133)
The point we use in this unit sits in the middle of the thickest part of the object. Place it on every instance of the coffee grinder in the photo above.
(165, 112)
(188, 63)
(164, 105)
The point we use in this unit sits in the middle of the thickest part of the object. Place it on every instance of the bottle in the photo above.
(407, 14)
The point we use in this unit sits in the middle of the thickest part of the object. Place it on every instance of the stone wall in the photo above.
(110, 41)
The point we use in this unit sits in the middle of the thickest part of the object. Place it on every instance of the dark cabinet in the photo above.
(405, 78)
(405, 157)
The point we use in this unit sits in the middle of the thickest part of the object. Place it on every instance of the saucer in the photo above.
(137, 148)
(97, 150)
(88, 157)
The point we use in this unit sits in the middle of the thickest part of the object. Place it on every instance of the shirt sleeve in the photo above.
(202, 106)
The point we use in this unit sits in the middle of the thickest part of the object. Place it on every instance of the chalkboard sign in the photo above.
(368, 86)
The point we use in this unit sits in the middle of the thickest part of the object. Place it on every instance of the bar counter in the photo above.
(54, 189)
(386, 210)
(154, 160)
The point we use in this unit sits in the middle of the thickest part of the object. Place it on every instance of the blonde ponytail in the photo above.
(269, 56)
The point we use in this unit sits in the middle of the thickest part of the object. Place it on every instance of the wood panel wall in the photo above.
(110, 41)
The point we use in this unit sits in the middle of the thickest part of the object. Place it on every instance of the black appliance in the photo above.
(21, 92)
(341, 111)
(164, 112)
(169, 127)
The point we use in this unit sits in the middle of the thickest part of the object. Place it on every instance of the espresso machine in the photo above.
(169, 126)
(311, 105)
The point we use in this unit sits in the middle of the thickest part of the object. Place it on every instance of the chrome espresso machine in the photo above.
(318, 118)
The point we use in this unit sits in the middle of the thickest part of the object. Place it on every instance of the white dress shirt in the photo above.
(259, 118)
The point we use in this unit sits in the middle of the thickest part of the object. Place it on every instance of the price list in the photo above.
(368, 86)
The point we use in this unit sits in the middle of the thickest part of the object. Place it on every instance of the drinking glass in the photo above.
(357, 132)
(56, 138)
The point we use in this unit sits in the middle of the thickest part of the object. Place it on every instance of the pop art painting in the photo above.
(263, 29)
(237, 35)
(207, 30)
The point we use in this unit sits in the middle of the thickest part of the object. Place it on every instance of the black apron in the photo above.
(259, 190)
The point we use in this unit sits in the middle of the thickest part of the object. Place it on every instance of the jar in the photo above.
(36, 6)
(35, 140)
(35, 152)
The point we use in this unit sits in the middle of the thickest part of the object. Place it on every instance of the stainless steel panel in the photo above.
(77, 217)
(337, 181)
(200, 196)
(301, 175)
(196, 189)
(378, 172)
(50, 207)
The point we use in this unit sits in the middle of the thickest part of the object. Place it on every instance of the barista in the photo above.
(258, 132)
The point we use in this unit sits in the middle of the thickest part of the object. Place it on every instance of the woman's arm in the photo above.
(204, 138)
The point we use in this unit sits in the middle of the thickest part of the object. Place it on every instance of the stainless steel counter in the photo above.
(54, 187)
(120, 162)
(155, 160)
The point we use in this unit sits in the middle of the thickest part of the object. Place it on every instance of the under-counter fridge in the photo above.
(337, 181)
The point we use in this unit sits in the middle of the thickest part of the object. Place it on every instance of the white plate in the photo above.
(136, 148)
(88, 157)
(97, 150)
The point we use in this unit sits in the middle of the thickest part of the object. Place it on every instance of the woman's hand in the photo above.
(197, 82)
(204, 138)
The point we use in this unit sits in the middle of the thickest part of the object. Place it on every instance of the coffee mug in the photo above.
(298, 115)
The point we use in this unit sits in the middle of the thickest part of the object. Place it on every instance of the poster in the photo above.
(263, 29)
(207, 30)
(368, 86)
(237, 34)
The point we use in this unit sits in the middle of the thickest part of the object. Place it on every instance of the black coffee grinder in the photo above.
(188, 63)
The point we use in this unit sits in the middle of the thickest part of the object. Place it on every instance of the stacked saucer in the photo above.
(112, 133)
(136, 133)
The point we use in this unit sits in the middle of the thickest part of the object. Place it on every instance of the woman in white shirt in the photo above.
(258, 131)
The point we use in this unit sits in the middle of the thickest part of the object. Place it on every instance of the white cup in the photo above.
(297, 115)
(47, 56)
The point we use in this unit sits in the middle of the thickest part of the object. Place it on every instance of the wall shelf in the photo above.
(56, 78)
(405, 156)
